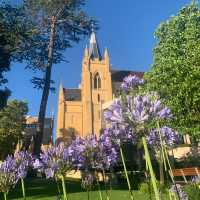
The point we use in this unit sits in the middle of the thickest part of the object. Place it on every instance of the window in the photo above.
(47, 125)
(30, 126)
(97, 81)
(98, 97)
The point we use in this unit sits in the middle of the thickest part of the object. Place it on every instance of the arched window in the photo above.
(97, 81)
(99, 98)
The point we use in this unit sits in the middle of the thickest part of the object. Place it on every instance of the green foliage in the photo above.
(11, 126)
(175, 73)
(4, 94)
(145, 188)
(13, 34)
(193, 192)
(71, 24)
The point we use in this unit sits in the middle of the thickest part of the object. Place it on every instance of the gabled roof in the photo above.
(119, 75)
(72, 94)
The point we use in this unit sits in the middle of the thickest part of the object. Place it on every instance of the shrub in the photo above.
(145, 188)
(193, 192)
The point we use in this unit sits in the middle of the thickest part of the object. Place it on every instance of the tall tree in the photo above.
(175, 73)
(12, 119)
(59, 24)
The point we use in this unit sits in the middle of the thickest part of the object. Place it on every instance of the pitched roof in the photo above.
(119, 75)
(72, 94)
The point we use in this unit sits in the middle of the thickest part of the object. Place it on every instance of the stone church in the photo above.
(80, 110)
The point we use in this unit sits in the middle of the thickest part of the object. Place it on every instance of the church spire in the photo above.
(94, 51)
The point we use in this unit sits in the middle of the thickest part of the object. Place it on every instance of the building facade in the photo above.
(31, 128)
(80, 109)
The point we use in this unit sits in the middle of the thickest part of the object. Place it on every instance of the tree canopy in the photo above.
(13, 34)
(12, 120)
(175, 73)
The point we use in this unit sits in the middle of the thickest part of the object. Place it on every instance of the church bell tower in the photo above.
(96, 86)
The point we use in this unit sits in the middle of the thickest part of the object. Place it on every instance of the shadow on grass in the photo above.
(41, 188)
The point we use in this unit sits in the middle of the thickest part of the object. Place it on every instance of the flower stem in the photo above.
(162, 147)
(126, 174)
(23, 189)
(171, 173)
(104, 178)
(58, 188)
(153, 178)
(88, 194)
(5, 195)
(99, 187)
(166, 157)
(64, 188)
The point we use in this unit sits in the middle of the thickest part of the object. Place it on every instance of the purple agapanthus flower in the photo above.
(179, 189)
(119, 134)
(141, 109)
(8, 174)
(168, 136)
(24, 162)
(114, 114)
(54, 161)
(136, 110)
(90, 153)
(108, 152)
(130, 82)
(77, 149)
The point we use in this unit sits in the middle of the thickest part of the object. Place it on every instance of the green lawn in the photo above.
(47, 190)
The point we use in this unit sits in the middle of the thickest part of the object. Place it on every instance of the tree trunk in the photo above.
(41, 118)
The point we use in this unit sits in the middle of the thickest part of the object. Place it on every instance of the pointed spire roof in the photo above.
(94, 51)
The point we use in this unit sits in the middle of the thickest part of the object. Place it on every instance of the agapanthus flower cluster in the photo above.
(54, 161)
(114, 114)
(179, 189)
(93, 154)
(169, 137)
(8, 174)
(136, 110)
(77, 149)
(130, 82)
(23, 163)
(141, 109)
(108, 152)
(118, 134)
(90, 152)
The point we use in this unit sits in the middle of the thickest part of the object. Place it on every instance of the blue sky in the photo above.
(126, 29)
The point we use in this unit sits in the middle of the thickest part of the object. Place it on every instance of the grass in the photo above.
(37, 189)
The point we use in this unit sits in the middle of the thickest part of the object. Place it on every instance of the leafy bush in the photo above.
(193, 192)
(145, 188)
(148, 187)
